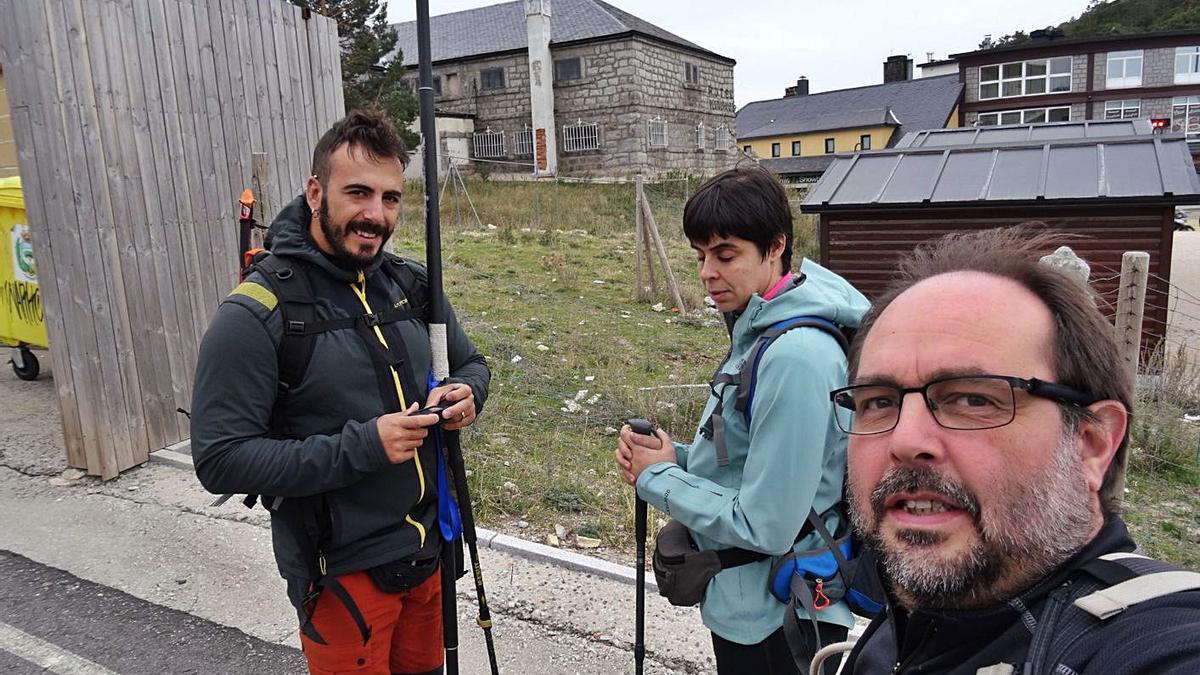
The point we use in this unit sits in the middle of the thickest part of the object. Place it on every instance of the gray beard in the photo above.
(1034, 528)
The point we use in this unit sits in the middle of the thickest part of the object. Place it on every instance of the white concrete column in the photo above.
(541, 87)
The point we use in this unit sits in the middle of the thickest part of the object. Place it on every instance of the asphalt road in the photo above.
(51, 620)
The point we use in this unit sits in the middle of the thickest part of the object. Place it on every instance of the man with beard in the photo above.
(985, 470)
(307, 388)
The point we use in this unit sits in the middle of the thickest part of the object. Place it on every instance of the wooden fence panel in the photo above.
(135, 123)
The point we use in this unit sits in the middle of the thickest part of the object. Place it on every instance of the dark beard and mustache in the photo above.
(343, 256)
(1030, 528)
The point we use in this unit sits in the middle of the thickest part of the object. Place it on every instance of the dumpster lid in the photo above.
(10, 193)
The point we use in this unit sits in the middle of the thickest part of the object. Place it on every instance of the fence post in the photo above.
(1131, 301)
(638, 233)
(652, 231)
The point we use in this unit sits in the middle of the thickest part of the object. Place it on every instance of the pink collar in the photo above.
(783, 281)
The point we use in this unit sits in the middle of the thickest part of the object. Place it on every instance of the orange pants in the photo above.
(406, 629)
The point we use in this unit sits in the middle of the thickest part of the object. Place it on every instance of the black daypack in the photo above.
(1104, 588)
(288, 279)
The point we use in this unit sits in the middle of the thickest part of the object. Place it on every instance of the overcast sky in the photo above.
(835, 43)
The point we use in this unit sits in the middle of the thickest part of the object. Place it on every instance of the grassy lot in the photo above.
(545, 288)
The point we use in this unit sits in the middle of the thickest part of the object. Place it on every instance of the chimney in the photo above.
(541, 87)
(897, 69)
(801, 88)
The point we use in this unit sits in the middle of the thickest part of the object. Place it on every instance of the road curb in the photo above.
(172, 456)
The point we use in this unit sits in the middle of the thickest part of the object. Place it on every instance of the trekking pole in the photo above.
(644, 428)
(246, 225)
(441, 366)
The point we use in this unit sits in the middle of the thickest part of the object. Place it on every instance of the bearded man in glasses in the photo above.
(986, 467)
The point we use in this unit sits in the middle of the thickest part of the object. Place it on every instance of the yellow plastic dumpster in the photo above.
(21, 321)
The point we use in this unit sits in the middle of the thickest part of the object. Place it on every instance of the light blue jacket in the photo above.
(791, 458)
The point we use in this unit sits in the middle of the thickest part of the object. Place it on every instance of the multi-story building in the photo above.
(797, 135)
(1057, 79)
(585, 89)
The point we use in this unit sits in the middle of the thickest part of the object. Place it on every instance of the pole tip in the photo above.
(247, 198)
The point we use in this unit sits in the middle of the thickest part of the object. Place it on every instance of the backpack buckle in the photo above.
(371, 320)
(295, 328)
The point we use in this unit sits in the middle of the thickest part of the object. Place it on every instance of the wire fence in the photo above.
(1164, 462)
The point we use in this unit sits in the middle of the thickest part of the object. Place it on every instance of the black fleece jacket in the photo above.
(330, 463)
(1155, 636)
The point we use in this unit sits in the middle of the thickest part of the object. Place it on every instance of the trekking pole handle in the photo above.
(641, 426)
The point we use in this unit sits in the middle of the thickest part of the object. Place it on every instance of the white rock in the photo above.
(658, 307)
(593, 399)
(597, 281)
(580, 394)
(491, 226)
(586, 542)
(73, 474)
(59, 481)
(589, 378)
(560, 531)
(511, 486)
(516, 359)
(523, 524)
(553, 540)
(542, 348)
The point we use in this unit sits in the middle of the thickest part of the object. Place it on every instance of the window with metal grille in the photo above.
(488, 143)
(566, 70)
(1118, 110)
(656, 132)
(523, 143)
(581, 136)
(701, 141)
(491, 78)
(722, 139)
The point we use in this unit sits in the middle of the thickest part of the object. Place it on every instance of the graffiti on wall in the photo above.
(23, 301)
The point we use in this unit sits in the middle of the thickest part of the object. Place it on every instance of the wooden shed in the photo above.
(1116, 182)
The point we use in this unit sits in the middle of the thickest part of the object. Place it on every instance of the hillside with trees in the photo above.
(1118, 17)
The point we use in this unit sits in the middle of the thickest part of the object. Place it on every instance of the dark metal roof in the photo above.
(792, 166)
(924, 103)
(849, 119)
(1141, 167)
(1023, 133)
(501, 28)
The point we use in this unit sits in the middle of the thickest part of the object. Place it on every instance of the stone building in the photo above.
(585, 90)
(1051, 78)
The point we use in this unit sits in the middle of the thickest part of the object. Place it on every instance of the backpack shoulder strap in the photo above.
(1136, 588)
(1107, 586)
(413, 280)
(290, 282)
(748, 375)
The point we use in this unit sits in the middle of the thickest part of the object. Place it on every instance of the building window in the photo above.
(491, 78)
(1122, 110)
(1185, 116)
(1187, 65)
(566, 70)
(1124, 69)
(523, 143)
(775, 151)
(746, 149)
(656, 132)
(864, 142)
(1026, 116)
(700, 138)
(795, 148)
(828, 146)
(691, 73)
(581, 136)
(1025, 78)
(722, 139)
(488, 144)
(437, 86)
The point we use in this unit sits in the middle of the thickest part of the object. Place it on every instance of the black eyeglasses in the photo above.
(966, 402)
